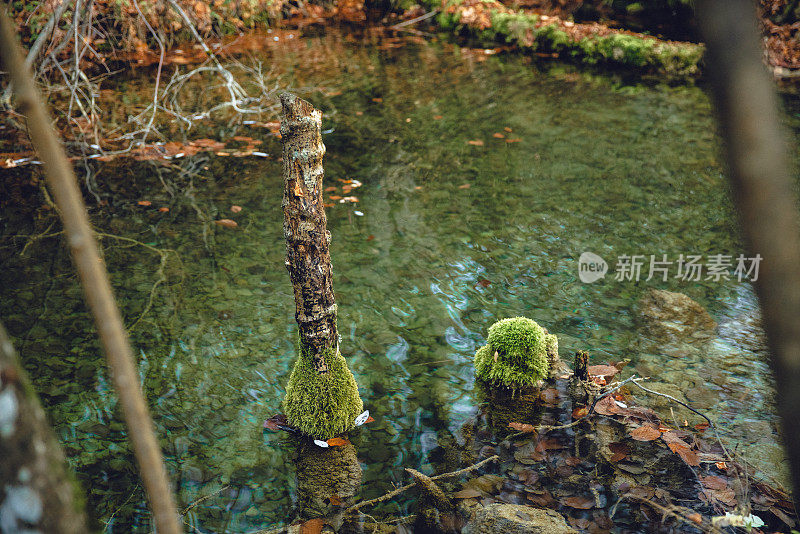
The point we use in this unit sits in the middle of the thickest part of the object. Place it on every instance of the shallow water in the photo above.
(453, 237)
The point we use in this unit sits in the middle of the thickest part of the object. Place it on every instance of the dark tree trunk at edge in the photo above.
(37, 491)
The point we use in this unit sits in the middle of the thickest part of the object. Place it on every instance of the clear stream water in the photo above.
(453, 237)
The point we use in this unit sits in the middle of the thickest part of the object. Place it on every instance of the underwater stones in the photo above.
(674, 316)
(516, 354)
(517, 519)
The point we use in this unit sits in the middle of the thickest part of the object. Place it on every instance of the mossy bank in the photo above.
(492, 23)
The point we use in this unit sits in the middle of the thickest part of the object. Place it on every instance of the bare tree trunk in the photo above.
(304, 227)
(763, 192)
(94, 279)
(322, 396)
(37, 490)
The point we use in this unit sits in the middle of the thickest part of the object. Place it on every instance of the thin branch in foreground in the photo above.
(94, 279)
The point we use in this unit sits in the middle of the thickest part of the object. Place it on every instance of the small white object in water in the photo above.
(733, 520)
(275, 38)
(361, 419)
(261, 154)
(320, 443)
(360, 215)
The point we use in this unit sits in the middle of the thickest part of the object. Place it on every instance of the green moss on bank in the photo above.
(326, 405)
(492, 23)
(515, 355)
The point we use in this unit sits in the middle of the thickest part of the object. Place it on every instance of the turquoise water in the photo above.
(446, 238)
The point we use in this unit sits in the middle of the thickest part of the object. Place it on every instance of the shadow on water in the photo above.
(447, 237)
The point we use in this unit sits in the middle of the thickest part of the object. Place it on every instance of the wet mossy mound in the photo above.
(515, 355)
(322, 405)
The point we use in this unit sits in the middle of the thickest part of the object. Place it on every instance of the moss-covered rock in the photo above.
(515, 355)
(322, 405)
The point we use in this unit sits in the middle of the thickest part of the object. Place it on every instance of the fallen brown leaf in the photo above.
(576, 501)
(645, 433)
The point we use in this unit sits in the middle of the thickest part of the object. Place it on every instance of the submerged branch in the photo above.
(401, 489)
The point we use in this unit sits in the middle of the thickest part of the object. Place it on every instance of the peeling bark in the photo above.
(37, 492)
(307, 238)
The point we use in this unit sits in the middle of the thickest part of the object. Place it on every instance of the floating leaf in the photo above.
(576, 501)
(236, 209)
(687, 455)
(163, 209)
(545, 500)
(549, 395)
(547, 444)
(607, 406)
(273, 422)
(645, 433)
(509, 130)
(227, 223)
(606, 371)
(579, 412)
(312, 526)
(498, 135)
(144, 203)
(335, 197)
(475, 142)
(337, 442)
(522, 427)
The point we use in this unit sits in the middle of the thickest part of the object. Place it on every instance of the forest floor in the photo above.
(663, 40)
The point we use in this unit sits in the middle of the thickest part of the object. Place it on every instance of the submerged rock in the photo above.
(674, 316)
(517, 519)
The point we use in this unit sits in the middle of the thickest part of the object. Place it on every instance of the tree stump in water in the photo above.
(321, 396)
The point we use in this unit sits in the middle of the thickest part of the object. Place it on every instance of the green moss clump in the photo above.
(515, 355)
(322, 405)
